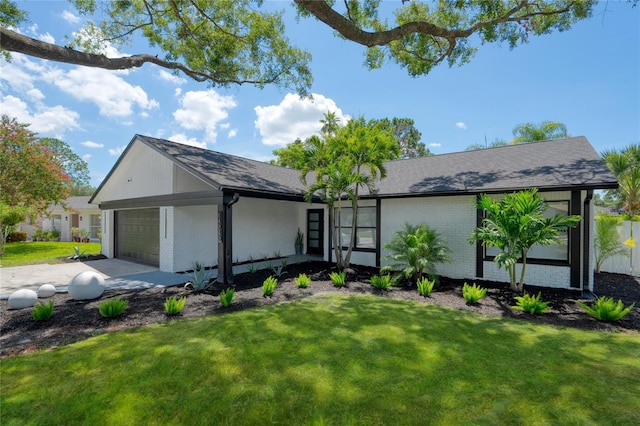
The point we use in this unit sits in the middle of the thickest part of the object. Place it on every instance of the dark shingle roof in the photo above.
(228, 172)
(560, 164)
(552, 165)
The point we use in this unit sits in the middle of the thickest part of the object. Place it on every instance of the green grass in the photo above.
(331, 359)
(18, 254)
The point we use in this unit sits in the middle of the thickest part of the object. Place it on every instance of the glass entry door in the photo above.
(315, 232)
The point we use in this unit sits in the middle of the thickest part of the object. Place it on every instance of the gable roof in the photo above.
(75, 203)
(551, 165)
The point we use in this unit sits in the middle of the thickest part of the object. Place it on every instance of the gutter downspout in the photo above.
(586, 258)
(225, 238)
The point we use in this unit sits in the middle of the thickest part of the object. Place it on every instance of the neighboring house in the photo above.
(170, 204)
(74, 212)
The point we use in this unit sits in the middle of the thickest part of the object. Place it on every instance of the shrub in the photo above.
(279, 270)
(77, 254)
(252, 269)
(383, 282)
(473, 293)
(338, 278)
(531, 304)
(415, 250)
(268, 286)
(199, 278)
(112, 308)
(425, 286)
(303, 281)
(226, 297)
(173, 306)
(605, 309)
(17, 236)
(42, 311)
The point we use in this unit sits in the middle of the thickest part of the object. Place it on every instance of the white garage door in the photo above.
(138, 235)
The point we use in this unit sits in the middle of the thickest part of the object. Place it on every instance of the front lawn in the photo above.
(31, 253)
(332, 359)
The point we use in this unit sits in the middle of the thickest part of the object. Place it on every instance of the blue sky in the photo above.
(587, 78)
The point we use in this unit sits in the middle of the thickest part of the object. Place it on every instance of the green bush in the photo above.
(303, 281)
(226, 297)
(200, 278)
(415, 251)
(77, 253)
(531, 304)
(173, 306)
(112, 308)
(42, 311)
(268, 286)
(338, 278)
(473, 293)
(16, 236)
(383, 282)
(605, 309)
(425, 286)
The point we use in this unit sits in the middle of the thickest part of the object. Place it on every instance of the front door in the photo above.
(315, 232)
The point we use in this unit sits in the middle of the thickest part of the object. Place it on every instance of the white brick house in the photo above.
(170, 204)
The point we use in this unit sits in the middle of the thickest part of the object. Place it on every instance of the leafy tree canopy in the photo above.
(529, 132)
(401, 130)
(242, 41)
(75, 167)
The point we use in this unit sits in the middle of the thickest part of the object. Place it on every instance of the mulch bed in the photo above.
(76, 320)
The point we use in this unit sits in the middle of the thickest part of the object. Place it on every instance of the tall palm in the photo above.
(330, 123)
(366, 147)
(515, 224)
(546, 130)
(625, 165)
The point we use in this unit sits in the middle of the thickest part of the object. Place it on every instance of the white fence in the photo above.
(620, 264)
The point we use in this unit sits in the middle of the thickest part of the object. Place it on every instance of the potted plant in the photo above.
(299, 245)
(84, 235)
(75, 234)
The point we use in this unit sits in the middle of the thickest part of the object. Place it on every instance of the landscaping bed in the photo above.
(76, 320)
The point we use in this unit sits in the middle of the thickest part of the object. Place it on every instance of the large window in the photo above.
(554, 252)
(95, 226)
(365, 227)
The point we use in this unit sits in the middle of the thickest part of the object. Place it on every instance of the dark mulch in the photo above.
(76, 320)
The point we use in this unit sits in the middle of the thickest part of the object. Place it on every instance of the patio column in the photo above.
(225, 238)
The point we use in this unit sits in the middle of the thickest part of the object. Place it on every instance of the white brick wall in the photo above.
(195, 236)
(454, 218)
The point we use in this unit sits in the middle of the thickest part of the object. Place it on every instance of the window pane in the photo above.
(367, 216)
(344, 236)
(366, 238)
(345, 217)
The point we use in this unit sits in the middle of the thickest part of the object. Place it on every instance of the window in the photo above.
(95, 225)
(365, 227)
(554, 252)
(56, 222)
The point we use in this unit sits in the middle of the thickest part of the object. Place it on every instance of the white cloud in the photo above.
(20, 73)
(435, 144)
(185, 140)
(232, 133)
(173, 79)
(47, 38)
(35, 95)
(203, 110)
(91, 144)
(113, 96)
(177, 92)
(461, 125)
(86, 157)
(294, 118)
(70, 17)
(46, 121)
(117, 151)
(225, 125)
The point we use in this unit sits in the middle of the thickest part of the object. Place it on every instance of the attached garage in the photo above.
(138, 235)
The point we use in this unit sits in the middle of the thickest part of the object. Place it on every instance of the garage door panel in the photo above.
(138, 235)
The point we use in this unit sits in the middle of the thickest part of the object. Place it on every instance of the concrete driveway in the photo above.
(118, 274)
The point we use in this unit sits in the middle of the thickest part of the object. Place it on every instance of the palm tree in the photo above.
(514, 225)
(330, 123)
(414, 251)
(625, 165)
(606, 243)
(546, 130)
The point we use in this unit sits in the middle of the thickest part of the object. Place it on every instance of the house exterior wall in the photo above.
(108, 248)
(265, 227)
(454, 218)
(195, 236)
(141, 173)
(185, 182)
(84, 222)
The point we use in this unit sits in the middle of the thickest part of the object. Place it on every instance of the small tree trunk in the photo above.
(520, 286)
